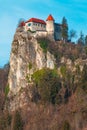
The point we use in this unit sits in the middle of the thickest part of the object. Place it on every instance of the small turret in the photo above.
(50, 24)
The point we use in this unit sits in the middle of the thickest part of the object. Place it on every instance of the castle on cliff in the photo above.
(41, 27)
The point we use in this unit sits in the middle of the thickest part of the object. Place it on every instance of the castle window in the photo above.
(29, 24)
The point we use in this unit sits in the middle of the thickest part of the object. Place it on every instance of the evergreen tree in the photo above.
(64, 29)
(86, 40)
(81, 39)
(72, 34)
(84, 78)
(20, 22)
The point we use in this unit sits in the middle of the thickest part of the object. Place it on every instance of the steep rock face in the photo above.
(26, 57)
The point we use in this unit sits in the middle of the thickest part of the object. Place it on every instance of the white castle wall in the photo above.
(41, 33)
(35, 26)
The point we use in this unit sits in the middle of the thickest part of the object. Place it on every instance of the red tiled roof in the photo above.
(50, 17)
(36, 21)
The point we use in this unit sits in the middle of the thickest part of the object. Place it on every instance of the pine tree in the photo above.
(64, 29)
(86, 40)
(21, 22)
(72, 34)
(81, 39)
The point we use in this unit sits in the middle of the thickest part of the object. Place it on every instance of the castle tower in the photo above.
(50, 24)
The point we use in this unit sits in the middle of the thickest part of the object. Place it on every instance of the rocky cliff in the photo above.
(26, 57)
(57, 100)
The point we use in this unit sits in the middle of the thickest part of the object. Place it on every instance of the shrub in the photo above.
(5, 121)
(7, 90)
(85, 49)
(18, 123)
(48, 84)
(31, 31)
(83, 83)
(30, 66)
(66, 126)
(63, 70)
(43, 43)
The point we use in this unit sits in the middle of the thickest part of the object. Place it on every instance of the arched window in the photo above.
(29, 24)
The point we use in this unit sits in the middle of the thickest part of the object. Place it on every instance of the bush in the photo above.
(5, 121)
(43, 43)
(85, 49)
(48, 84)
(7, 90)
(31, 31)
(30, 66)
(66, 126)
(83, 82)
(63, 70)
(18, 123)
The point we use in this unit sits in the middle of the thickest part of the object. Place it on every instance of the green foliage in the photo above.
(21, 20)
(5, 121)
(72, 34)
(7, 90)
(38, 75)
(30, 66)
(58, 99)
(31, 31)
(72, 57)
(64, 29)
(9, 119)
(77, 69)
(66, 126)
(63, 70)
(43, 43)
(48, 84)
(81, 39)
(86, 49)
(18, 123)
(2, 123)
(84, 78)
(86, 40)
(28, 78)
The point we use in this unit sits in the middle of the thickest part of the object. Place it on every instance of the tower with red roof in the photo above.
(50, 24)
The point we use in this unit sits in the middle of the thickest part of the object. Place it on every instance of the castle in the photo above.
(44, 28)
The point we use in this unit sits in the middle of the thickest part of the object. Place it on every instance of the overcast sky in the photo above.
(12, 10)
